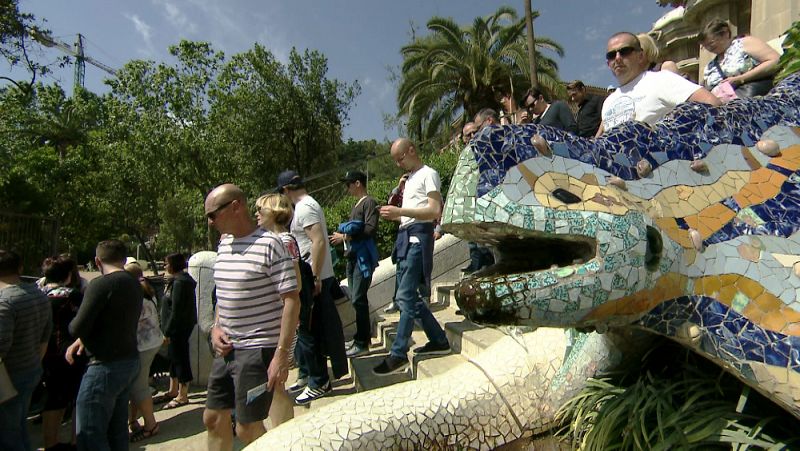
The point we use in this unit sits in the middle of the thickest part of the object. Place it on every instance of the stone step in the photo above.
(470, 339)
(430, 367)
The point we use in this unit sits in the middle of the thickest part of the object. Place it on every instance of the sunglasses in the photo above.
(623, 52)
(213, 214)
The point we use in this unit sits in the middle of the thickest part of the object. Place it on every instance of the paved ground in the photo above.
(182, 428)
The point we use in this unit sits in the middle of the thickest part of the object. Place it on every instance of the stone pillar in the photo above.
(201, 268)
(771, 18)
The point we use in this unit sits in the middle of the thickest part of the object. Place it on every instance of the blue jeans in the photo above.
(409, 276)
(359, 285)
(14, 412)
(102, 406)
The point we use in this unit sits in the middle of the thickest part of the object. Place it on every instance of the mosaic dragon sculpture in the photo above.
(687, 229)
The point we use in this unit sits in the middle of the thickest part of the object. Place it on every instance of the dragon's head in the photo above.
(568, 238)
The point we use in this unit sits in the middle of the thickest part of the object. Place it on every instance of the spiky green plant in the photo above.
(683, 402)
(790, 60)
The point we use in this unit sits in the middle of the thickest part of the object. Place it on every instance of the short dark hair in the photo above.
(577, 84)
(177, 261)
(714, 28)
(637, 43)
(535, 93)
(111, 251)
(10, 262)
(58, 269)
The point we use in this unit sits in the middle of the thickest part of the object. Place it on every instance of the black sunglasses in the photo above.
(213, 214)
(623, 52)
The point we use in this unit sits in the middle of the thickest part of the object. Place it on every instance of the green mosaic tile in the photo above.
(740, 301)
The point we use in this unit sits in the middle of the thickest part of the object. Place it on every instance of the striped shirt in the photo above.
(251, 274)
(26, 320)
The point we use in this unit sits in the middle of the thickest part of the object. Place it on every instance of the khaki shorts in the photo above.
(232, 376)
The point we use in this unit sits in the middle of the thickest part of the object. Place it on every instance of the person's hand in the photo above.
(317, 286)
(337, 238)
(735, 81)
(436, 235)
(76, 348)
(278, 371)
(390, 212)
(220, 342)
(166, 340)
(523, 117)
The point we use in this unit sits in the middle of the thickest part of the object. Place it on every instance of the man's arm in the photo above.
(370, 217)
(432, 210)
(600, 131)
(6, 328)
(703, 95)
(318, 249)
(91, 306)
(278, 369)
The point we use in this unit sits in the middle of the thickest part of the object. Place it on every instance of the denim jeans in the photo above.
(479, 257)
(311, 360)
(102, 406)
(359, 285)
(409, 275)
(14, 412)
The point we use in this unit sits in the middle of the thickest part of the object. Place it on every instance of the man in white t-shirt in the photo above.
(643, 95)
(323, 335)
(413, 255)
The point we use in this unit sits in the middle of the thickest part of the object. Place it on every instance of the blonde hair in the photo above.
(276, 207)
(649, 47)
(135, 270)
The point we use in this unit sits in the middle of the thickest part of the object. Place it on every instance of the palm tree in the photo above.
(455, 71)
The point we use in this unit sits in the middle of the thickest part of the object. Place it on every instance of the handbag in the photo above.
(724, 91)
(754, 88)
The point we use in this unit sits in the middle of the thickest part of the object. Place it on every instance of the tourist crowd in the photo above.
(88, 348)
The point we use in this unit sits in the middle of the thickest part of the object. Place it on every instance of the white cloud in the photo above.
(145, 31)
(176, 17)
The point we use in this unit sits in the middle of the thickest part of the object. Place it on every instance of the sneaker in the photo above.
(390, 365)
(431, 348)
(310, 394)
(392, 308)
(357, 350)
(298, 385)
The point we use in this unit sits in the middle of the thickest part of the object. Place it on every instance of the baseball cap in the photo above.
(354, 176)
(288, 178)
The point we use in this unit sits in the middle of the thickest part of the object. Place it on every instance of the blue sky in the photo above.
(361, 38)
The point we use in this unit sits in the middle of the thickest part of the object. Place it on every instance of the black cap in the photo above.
(354, 176)
(288, 178)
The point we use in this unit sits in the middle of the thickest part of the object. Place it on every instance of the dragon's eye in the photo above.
(565, 196)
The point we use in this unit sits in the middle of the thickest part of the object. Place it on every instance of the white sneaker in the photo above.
(298, 385)
(310, 394)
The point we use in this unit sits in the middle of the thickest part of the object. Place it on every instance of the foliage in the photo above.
(676, 400)
(16, 44)
(455, 71)
(790, 60)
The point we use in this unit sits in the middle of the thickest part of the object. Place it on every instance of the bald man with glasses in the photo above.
(643, 95)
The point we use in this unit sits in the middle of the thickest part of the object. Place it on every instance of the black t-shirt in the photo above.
(589, 116)
(107, 319)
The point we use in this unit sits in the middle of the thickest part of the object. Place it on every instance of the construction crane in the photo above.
(77, 51)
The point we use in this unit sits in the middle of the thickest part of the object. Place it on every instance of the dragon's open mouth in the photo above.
(523, 251)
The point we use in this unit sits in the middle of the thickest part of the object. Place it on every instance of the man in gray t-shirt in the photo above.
(25, 326)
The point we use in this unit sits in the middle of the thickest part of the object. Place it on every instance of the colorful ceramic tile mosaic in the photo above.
(688, 228)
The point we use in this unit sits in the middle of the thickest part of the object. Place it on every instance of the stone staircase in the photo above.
(467, 340)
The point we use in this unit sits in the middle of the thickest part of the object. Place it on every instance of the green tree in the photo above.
(458, 70)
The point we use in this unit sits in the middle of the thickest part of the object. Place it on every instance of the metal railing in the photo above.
(33, 237)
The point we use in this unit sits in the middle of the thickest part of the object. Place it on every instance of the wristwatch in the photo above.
(316, 278)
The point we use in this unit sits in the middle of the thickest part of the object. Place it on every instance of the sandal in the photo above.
(134, 426)
(174, 404)
(162, 398)
(142, 434)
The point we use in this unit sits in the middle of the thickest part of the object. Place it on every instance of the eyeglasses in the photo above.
(213, 214)
(623, 52)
